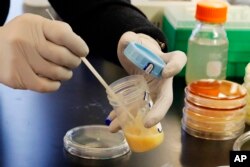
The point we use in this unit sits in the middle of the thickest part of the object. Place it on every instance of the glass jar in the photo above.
(207, 51)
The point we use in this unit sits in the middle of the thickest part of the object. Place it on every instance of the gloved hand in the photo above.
(160, 89)
(38, 53)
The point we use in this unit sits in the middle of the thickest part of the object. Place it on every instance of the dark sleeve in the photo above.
(4, 10)
(102, 22)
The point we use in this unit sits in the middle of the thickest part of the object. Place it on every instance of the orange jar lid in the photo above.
(212, 11)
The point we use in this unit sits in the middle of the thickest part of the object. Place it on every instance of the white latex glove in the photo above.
(38, 53)
(160, 89)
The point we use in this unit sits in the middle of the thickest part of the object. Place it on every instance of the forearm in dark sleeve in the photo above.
(4, 10)
(102, 22)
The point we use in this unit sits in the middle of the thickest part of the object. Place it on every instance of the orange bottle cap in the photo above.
(212, 11)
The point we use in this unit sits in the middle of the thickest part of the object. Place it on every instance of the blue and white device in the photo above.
(144, 59)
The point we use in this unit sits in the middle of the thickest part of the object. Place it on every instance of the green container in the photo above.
(179, 21)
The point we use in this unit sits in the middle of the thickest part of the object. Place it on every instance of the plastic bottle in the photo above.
(208, 44)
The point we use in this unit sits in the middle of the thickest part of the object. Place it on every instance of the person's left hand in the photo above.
(160, 88)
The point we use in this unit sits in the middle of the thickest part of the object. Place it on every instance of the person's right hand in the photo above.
(37, 53)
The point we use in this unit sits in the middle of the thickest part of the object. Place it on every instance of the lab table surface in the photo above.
(33, 126)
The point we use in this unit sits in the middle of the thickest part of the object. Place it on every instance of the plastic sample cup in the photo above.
(131, 104)
(95, 142)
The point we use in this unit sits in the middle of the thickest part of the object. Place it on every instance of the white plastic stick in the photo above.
(96, 74)
(50, 15)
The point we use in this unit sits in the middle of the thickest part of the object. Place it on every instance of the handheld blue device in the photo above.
(144, 59)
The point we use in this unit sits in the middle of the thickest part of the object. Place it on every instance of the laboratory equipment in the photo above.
(208, 44)
(242, 143)
(144, 59)
(136, 101)
(95, 142)
(214, 109)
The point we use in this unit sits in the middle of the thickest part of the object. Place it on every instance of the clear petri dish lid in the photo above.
(242, 143)
(217, 89)
(95, 142)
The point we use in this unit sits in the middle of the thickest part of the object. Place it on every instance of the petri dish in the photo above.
(95, 142)
(216, 94)
(214, 109)
(242, 143)
(217, 89)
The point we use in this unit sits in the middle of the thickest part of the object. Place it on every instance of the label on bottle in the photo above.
(214, 68)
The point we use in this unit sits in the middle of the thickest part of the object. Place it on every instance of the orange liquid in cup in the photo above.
(141, 139)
